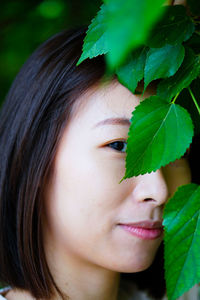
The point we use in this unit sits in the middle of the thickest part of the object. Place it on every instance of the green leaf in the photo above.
(95, 41)
(129, 23)
(160, 132)
(132, 71)
(104, 33)
(163, 62)
(174, 28)
(188, 71)
(182, 240)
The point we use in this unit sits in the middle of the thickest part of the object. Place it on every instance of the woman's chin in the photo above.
(134, 266)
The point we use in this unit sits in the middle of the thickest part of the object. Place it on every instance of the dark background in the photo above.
(25, 24)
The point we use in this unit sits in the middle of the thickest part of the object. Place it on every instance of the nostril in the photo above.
(149, 199)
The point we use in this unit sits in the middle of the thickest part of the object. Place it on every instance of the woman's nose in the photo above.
(151, 187)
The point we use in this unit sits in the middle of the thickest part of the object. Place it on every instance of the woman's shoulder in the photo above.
(3, 291)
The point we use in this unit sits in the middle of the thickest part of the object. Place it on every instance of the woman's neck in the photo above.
(79, 279)
(82, 287)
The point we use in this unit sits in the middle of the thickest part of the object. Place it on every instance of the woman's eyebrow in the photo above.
(113, 121)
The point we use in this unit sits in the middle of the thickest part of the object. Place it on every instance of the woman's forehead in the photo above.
(109, 99)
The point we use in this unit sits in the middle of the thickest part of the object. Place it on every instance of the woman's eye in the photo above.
(118, 146)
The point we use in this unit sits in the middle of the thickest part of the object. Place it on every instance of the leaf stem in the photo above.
(194, 99)
(175, 98)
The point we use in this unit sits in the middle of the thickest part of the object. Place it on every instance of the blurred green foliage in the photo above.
(24, 25)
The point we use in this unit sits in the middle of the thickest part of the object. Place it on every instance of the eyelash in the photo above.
(115, 142)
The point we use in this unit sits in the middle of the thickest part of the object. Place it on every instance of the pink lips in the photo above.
(146, 230)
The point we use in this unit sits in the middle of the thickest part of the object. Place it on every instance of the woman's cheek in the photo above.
(108, 162)
(176, 174)
(115, 166)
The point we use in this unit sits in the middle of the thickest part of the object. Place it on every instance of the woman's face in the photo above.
(85, 203)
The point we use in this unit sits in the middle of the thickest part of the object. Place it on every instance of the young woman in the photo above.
(63, 213)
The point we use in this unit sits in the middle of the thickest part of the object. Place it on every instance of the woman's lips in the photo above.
(145, 230)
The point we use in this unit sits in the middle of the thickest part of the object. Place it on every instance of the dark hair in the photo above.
(38, 106)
